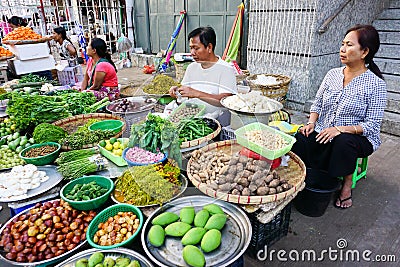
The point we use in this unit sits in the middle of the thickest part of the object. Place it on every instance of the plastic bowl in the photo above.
(42, 160)
(132, 163)
(113, 125)
(103, 217)
(88, 204)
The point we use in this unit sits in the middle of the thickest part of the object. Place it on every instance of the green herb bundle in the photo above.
(155, 134)
(46, 132)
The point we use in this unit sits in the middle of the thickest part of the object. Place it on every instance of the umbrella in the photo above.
(232, 47)
(172, 43)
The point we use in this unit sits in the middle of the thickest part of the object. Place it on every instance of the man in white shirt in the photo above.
(209, 78)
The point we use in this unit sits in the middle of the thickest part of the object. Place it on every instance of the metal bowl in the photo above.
(113, 253)
(278, 105)
(236, 234)
(184, 184)
(48, 262)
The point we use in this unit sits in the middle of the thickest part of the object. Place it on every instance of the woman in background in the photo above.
(101, 73)
(16, 22)
(65, 46)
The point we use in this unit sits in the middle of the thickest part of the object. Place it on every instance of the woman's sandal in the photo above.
(343, 200)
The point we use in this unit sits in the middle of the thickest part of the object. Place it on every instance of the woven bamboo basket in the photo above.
(71, 124)
(241, 77)
(276, 91)
(295, 173)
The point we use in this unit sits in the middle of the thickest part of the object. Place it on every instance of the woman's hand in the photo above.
(327, 135)
(307, 129)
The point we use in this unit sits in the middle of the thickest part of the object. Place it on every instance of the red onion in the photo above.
(139, 155)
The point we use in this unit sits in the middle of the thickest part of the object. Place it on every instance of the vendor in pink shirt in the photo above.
(101, 73)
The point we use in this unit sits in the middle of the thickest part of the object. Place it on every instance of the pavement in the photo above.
(367, 234)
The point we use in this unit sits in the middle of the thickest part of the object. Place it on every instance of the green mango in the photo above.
(82, 263)
(193, 256)
(96, 258)
(122, 262)
(165, 218)
(99, 265)
(213, 209)
(217, 221)
(211, 240)
(201, 218)
(108, 262)
(193, 236)
(156, 235)
(134, 263)
(177, 229)
(187, 215)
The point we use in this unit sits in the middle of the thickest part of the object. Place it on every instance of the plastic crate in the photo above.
(70, 75)
(266, 234)
(227, 133)
(264, 151)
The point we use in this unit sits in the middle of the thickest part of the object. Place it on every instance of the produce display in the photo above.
(186, 111)
(99, 259)
(160, 85)
(124, 105)
(77, 168)
(157, 134)
(191, 129)
(116, 229)
(139, 155)
(236, 174)
(46, 231)
(114, 145)
(79, 102)
(7, 127)
(29, 79)
(5, 52)
(96, 106)
(9, 158)
(23, 178)
(11, 145)
(22, 33)
(252, 102)
(46, 132)
(147, 185)
(266, 139)
(72, 155)
(202, 227)
(86, 191)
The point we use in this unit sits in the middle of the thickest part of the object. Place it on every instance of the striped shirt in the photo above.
(360, 102)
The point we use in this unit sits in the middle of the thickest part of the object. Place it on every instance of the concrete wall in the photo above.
(283, 39)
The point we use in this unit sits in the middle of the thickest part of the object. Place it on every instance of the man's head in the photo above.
(202, 43)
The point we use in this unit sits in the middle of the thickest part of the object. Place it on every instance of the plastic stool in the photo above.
(360, 171)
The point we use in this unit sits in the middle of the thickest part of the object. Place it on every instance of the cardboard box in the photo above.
(34, 65)
(30, 51)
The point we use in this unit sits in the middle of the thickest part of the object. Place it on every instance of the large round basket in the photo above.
(71, 124)
(295, 173)
(275, 91)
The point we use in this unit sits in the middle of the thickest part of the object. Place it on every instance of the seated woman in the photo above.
(67, 49)
(347, 113)
(101, 73)
(209, 78)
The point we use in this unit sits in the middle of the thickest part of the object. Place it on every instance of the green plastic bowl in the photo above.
(42, 160)
(113, 125)
(88, 204)
(103, 217)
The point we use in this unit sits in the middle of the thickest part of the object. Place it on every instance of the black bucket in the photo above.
(316, 196)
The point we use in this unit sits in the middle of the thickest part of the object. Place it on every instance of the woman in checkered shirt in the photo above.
(346, 116)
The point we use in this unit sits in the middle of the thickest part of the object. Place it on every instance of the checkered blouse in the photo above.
(361, 102)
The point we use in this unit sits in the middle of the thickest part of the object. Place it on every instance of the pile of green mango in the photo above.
(98, 259)
(202, 227)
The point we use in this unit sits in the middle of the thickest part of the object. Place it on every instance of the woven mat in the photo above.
(270, 210)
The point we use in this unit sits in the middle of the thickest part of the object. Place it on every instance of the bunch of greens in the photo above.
(157, 134)
(31, 78)
(31, 110)
(78, 139)
(77, 101)
(46, 132)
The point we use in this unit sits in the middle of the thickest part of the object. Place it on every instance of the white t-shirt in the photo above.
(218, 79)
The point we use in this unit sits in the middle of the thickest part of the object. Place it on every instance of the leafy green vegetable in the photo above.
(31, 110)
(77, 101)
(31, 78)
(46, 132)
(156, 134)
(78, 139)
